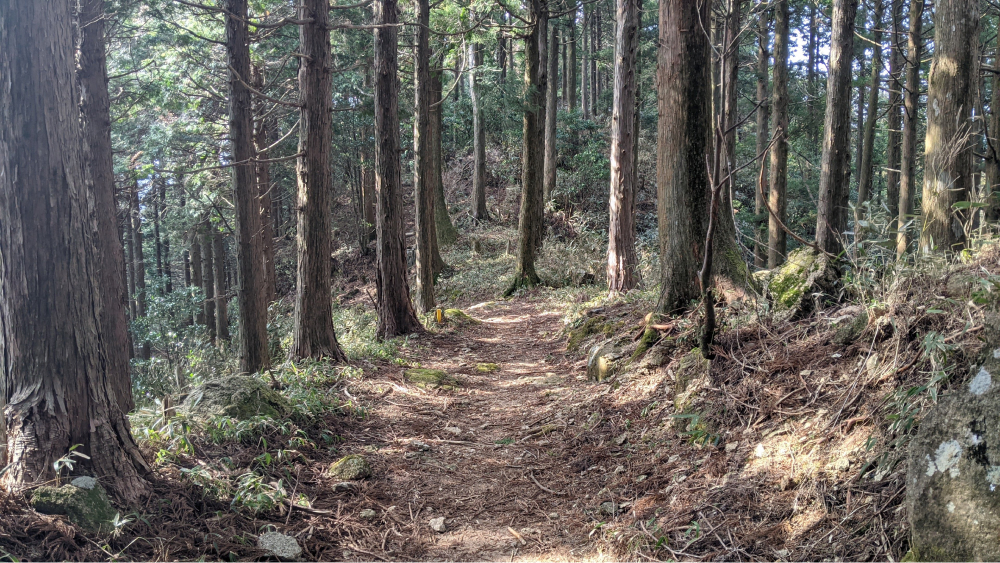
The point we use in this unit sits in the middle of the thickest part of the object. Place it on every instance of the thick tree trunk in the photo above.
(96, 107)
(622, 258)
(479, 210)
(208, 284)
(776, 237)
(313, 333)
(396, 316)
(139, 266)
(530, 219)
(911, 99)
(684, 85)
(254, 351)
(263, 177)
(444, 229)
(221, 299)
(196, 277)
(56, 385)
(763, 134)
(423, 186)
(895, 120)
(867, 171)
(951, 92)
(549, 181)
(835, 167)
(571, 65)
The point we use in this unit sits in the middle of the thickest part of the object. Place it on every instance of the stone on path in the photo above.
(281, 545)
(431, 378)
(437, 524)
(350, 468)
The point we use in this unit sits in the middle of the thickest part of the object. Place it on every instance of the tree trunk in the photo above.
(911, 99)
(423, 186)
(96, 107)
(561, 43)
(126, 226)
(396, 316)
(951, 91)
(684, 85)
(813, 94)
(139, 268)
(313, 333)
(622, 258)
(585, 65)
(571, 64)
(867, 171)
(157, 242)
(254, 351)
(263, 177)
(776, 237)
(196, 277)
(479, 210)
(444, 229)
(835, 168)
(167, 274)
(992, 172)
(56, 385)
(763, 133)
(530, 219)
(549, 183)
(894, 119)
(208, 284)
(221, 300)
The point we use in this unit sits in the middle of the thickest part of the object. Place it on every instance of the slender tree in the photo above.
(951, 92)
(313, 334)
(92, 74)
(56, 385)
(551, 94)
(835, 168)
(208, 279)
(571, 67)
(221, 300)
(396, 316)
(867, 170)
(263, 176)
(444, 229)
(479, 211)
(684, 85)
(254, 352)
(622, 259)
(911, 99)
(776, 238)
(894, 119)
(138, 257)
(423, 187)
(763, 133)
(585, 85)
(196, 277)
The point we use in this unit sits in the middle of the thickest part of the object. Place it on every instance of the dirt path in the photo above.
(496, 457)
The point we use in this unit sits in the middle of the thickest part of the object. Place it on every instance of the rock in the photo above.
(457, 316)
(691, 376)
(840, 465)
(603, 361)
(453, 430)
(431, 379)
(487, 368)
(791, 287)
(848, 330)
(238, 397)
(87, 505)
(368, 514)
(590, 327)
(345, 487)
(282, 546)
(437, 524)
(420, 446)
(350, 468)
(609, 508)
(953, 471)
(581, 277)
(553, 515)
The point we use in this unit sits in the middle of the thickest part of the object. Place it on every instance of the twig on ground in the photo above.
(544, 488)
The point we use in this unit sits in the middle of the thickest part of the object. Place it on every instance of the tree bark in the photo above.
(445, 232)
(763, 133)
(549, 183)
(813, 94)
(253, 345)
(572, 64)
(776, 237)
(263, 177)
(895, 120)
(167, 274)
(911, 99)
(96, 107)
(56, 385)
(423, 186)
(622, 258)
(585, 65)
(139, 267)
(951, 102)
(835, 167)
(208, 287)
(867, 171)
(157, 242)
(533, 154)
(684, 85)
(396, 316)
(313, 334)
(221, 300)
(479, 210)
(196, 277)
(992, 172)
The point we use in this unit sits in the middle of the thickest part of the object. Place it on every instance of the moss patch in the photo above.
(88, 508)
(648, 339)
(848, 331)
(350, 468)
(487, 368)
(805, 272)
(431, 378)
(238, 397)
(591, 327)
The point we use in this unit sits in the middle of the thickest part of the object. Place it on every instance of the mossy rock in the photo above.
(606, 359)
(691, 376)
(431, 378)
(658, 355)
(88, 508)
(239, 397)
(454, 316)
(597, 325)
(650, 337)
(487, 368)
(350, 468)
(791, 286)
(849, 330)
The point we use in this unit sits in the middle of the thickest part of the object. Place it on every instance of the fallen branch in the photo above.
(544, 488)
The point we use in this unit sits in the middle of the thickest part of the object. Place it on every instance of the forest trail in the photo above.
(497, 457)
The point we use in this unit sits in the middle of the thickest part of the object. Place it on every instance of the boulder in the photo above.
(350, 468)
(586, 330)
(690, 377)
(606, 358)
(953, 472)
(792, 285)
(84, 502)
(849, 329)
(280, 545)
(239, 397)
(431, 378)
